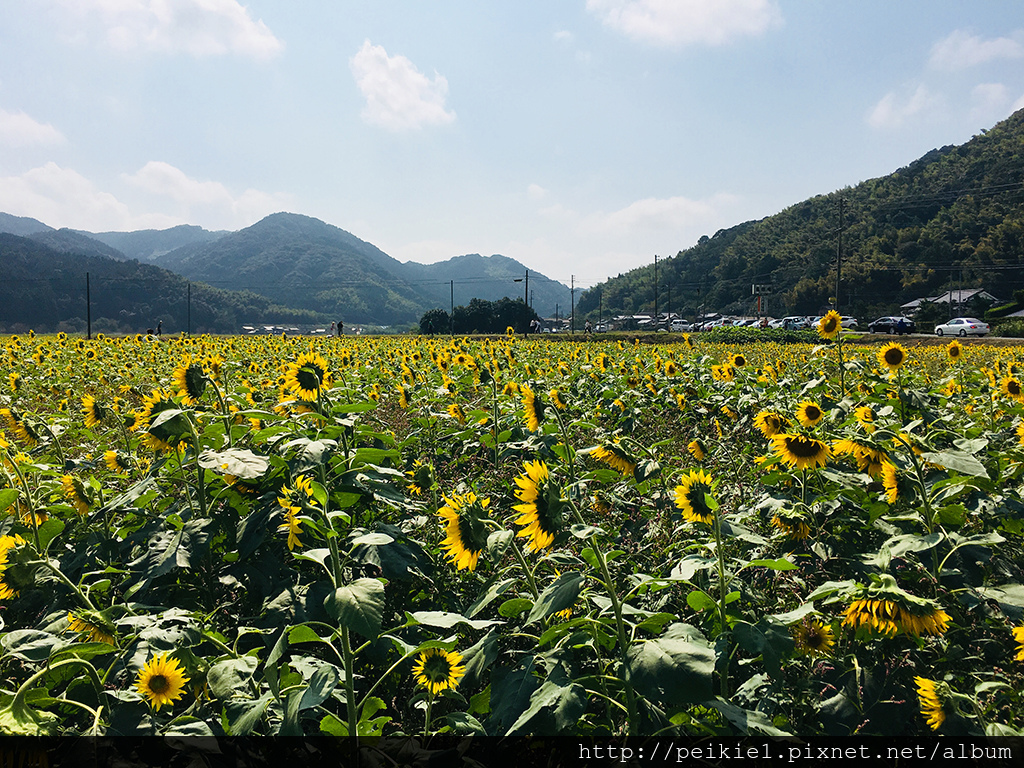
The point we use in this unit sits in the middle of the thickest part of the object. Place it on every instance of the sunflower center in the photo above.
(812, 413)
(893, 356)
(1013, 387)
(803, 447)
(309, 377)
(158, 684)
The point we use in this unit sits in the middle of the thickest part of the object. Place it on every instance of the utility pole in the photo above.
(839, 252)
(88, 309)
(526, 290)
(572, 303)
(600, 307)
(189, 312)
(655, 293)
(668, 286)
(451, 317)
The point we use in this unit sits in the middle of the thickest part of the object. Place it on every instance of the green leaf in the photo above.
(229, 678)
(447, 620)
(512, 608)
(478, 659)
(31, 644)
(675, 668)
(960, 462)
(50, 530)
(464, 724)
(22, 720)
(776, 565)
(493, 591)
(7, 497)
(235, 461)
(358, 606)
(242, 716)
(1008, 594)
(553, 708)
(559, 595)
(700, 600)
(511, 690)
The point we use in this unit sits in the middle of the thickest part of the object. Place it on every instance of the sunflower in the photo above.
(305, 377)
(614, 456)
(167, 434)
(830, 325)
(74, 492)
(12, 420)
(190, 379)
(869, 459)
(792, 524)
(93, 626)
(533, 408)
(691, 496)
(812, 638)
(890, 482)
(403, 396)
(465, 530)
(770, 423)
(885, 609)
(865, 417)
(931, 702)
(10, 587)
(1018, 635)
(1012, 388)
(292, 500)
(696, 449)
(722, 372)
(456, 412)
(892, 356)
(438, 670)
(421, 477)
(737, 361)
(809, 413)
(117, 461)
(800, 452)
(161, 681)
(542, 507)
(955, 351)
(556, 399)
(93, 411)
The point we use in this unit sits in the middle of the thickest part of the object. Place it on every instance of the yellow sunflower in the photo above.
(892, 356)
(890, 482)
(307, 376)
(812, 638)
(830, 325)
(614, 456)
(690, 496)
(799, 451)
(931, 702)
(421, 477)
(770, 423)
(93, 626)
(1018, 636)
(542, 508)
(556, 398)
(809, 413)
(456, 412)
(161, 681)
(792, 524)
(92, 411)
(465, 529)
(438, 670)
(955, 351)
(190, 379)
(74, 492)
(117, 461)
(533, 408)
(1012, 388)
(696, 449)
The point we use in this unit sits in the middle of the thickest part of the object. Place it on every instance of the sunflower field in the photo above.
(410, 535)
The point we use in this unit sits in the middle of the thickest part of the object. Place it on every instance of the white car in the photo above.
(962, 326)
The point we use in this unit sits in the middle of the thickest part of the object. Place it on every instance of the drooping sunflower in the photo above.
(892, 356)
(809, 413)
(93, 626)
(691, 493)
(955, 351)
(800, 452)
(13, 421)
(869, 459)
(615, 456)
(885, 609)
(556, 399)
(292, 500)
(74, 492)
(812, 638)
(421, 477)
(161, 681)
(793, 524)
(307, 376)
(438, 670)
(10, 583)
(117, 461)
(542, 511)
(93, 411)
(931, 702)
(167, 434)
(465, 529)
(865, 417)
(456, 412)
(770, 423)
(696, 449)
(830, 325)
(722, 372)
(890, 482)
(533, 408)
(190, 379)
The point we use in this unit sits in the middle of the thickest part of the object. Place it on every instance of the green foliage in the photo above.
(745, 335)
(1013, 328)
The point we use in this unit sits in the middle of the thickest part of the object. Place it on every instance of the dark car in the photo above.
(891, 325)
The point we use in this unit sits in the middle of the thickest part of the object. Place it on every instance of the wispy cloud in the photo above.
(676, 23)
(195, 27)
(398, 96)
(210, 198)
(19, 130)
(895, 110)
(962, 50)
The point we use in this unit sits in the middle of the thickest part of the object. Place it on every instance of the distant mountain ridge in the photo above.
(301, 262)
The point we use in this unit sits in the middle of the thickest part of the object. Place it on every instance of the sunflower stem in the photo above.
(427, 718)
(526, 569)
(67, 582)
(18, 705)
(350, 683)
(720, 555)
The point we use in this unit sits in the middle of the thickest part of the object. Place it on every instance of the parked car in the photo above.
(680, 326)
(891, 324)
(848, 322)
(962, 326)
(795, 323)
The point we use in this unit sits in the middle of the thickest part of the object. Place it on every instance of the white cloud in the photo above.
(398, 96)
(536, 192)
(195, 27)
(655, 214)
(686, 22)
(62, 197)
(962, 50)
(1018, 104)
(210, 199)
(893, 111)
(19, 130)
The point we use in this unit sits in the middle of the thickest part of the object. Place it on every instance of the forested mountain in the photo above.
(21, 225)
(151, 244)
(45, 289)
(955, 216)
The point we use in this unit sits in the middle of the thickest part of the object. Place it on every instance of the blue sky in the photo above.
(581, 137)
